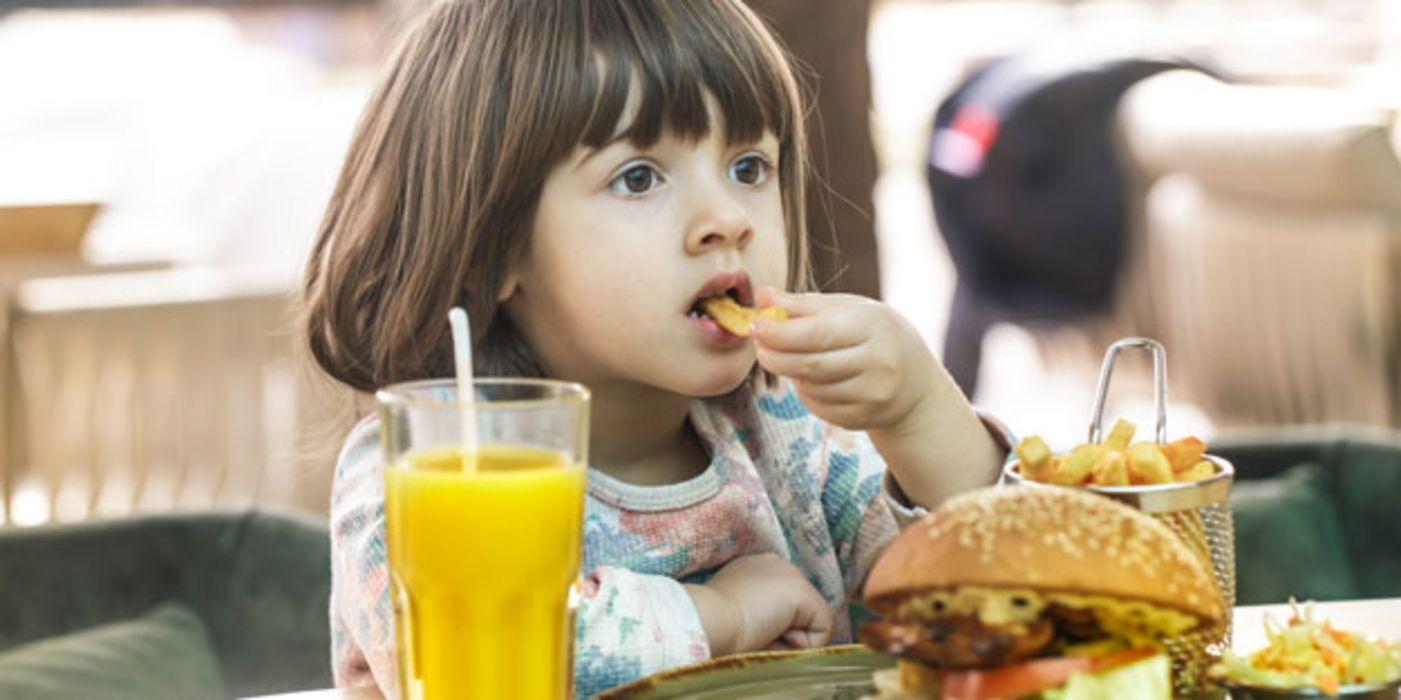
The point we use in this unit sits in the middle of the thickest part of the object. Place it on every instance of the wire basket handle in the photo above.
(1159, 384)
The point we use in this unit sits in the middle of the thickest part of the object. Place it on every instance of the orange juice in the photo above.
(482, 564)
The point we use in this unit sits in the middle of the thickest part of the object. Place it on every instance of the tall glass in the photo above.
(483, 561)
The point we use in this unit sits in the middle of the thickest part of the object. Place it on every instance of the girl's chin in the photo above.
(721, 382)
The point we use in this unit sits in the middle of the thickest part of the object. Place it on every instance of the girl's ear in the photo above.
(509, 283)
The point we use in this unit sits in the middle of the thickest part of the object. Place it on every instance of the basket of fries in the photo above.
(1177, 483)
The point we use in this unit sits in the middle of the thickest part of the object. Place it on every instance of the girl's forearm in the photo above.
(940, 449)
(717, 617)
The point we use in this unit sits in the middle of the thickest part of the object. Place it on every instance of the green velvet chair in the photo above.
(258, 580)
(1317, 513)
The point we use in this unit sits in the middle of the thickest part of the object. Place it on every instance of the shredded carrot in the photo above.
(1308, 653)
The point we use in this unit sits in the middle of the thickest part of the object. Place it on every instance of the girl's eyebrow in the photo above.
(591, 152)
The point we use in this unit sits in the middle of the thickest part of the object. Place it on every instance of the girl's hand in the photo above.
(760, 601)
(855, 362)
(858, 364)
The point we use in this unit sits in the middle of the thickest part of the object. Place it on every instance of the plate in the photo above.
(1376, 691)
(831, 673)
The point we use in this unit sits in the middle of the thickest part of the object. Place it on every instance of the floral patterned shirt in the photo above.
(779, 481)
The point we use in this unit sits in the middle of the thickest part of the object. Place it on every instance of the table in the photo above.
(1380, 616)
(333, 694)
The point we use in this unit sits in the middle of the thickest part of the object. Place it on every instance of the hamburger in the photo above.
(1027, 592)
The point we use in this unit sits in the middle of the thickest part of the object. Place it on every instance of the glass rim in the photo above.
(402, 394)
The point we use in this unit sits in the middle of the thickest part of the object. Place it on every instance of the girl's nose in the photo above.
(718, 221)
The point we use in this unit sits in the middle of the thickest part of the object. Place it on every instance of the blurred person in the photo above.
(1029, 195)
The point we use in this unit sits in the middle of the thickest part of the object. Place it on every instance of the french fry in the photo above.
(1183, 454)
(1120, 435)
(1034, 457)
(738, 319)
(1112, 470)
(1076, 467)
(1197, 472)
(1148, 464)
(1117, 461)
(777, 313)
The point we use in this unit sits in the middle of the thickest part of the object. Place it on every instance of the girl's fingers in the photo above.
(820, 367)
(819, 333)
(769, 296)
(803, 304)
(800, 639)
(851, 391)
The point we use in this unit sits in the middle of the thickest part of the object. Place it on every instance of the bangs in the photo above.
(674, 55)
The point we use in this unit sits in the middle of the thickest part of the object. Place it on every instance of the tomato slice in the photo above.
(1012, 681)
(1027, 677)
(1121, 658)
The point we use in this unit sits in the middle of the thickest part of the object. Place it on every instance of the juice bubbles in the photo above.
(482, 566)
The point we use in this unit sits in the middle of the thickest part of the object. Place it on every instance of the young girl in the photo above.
(580, 174)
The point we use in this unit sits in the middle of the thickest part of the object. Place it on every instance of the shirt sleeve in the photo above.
(864, 505)
(632, 625)
(862, 516)
(362, 620)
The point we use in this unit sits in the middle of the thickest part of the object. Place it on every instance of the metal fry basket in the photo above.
(1199, 512)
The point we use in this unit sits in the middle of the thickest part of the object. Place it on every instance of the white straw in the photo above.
(462, 357)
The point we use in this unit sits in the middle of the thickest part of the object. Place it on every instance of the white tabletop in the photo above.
(1380, 616)
(331, 694)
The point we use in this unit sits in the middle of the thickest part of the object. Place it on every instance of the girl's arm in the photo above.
(861, 506)
(760, 601)
(940, 448)
(864, 505)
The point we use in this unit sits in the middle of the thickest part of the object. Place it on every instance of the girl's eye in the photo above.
(637, 179)
(750, 170)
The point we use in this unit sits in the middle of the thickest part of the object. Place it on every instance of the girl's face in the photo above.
(627, 240)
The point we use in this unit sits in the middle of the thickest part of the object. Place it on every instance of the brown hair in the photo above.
(437, 195)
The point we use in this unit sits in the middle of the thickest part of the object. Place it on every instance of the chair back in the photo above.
(259, 579)
(158, 390)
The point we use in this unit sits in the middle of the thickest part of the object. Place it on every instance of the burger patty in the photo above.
(1077, 624)
(962, 641)
(958, 640)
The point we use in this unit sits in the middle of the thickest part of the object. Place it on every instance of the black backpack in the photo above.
(1028, 194)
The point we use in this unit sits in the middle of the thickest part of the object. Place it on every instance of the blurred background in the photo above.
(163, 167)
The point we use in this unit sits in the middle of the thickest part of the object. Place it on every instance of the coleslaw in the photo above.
(1305, 652)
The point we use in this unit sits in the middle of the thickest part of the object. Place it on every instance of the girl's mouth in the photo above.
(726, 285)
(735, 285)
(713, 333)
(698, 308)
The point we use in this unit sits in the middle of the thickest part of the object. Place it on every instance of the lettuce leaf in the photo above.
(1148, 679)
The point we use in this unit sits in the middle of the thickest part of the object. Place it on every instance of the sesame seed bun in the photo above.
(1057, 540)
